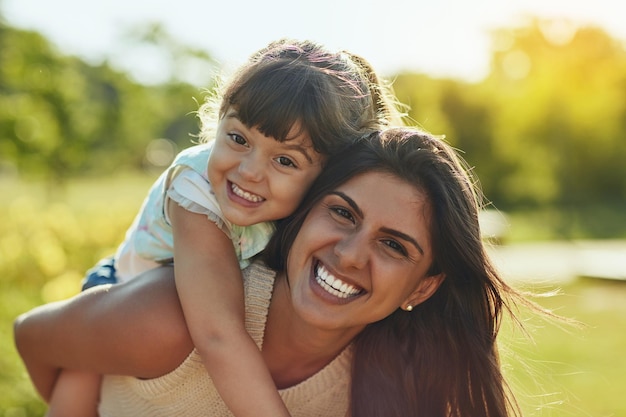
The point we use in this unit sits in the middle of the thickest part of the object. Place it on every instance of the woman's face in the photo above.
(362, 252)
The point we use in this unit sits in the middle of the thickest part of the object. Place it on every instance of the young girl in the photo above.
(293, 104)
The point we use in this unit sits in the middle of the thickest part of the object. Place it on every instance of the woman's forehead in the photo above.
(391, 202)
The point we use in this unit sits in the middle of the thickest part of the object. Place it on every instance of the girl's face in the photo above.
(254, 177)
(362, 252)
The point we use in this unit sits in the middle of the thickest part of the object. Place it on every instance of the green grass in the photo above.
(48, 238)
(591, 221)
(569, 370)
(46, 243)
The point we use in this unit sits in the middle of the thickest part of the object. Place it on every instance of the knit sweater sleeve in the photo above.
(188, 390)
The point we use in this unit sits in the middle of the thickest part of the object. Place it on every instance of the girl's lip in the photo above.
(243, 197)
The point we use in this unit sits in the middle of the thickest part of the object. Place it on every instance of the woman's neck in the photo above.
(293, 349)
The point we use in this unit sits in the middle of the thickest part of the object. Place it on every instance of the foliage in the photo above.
(561, 118)
(44, 251)
(544, 130)
(61, 117)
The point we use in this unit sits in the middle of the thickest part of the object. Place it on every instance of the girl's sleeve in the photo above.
(193, 192)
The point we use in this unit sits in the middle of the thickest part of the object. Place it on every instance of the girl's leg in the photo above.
(75, 394)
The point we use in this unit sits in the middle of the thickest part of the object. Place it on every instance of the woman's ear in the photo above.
(425, 288)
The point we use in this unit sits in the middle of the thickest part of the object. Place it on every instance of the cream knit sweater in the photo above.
(188, 391)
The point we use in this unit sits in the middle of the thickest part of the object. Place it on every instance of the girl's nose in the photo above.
(352, 251)
(252, 168)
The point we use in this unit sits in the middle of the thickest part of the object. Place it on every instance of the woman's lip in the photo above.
(332, 288)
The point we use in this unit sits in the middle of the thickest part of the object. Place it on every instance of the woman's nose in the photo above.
(252, 168)
(352, 251)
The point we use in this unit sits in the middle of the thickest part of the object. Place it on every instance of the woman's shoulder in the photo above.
(258, 274)
(258, 284)
(326, 393)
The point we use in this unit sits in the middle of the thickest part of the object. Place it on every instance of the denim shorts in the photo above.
(102, 273)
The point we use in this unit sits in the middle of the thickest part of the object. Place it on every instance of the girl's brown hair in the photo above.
(334, 97)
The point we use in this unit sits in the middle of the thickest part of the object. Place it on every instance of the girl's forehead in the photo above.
(276, 127)
(297, 140)
(302, 143)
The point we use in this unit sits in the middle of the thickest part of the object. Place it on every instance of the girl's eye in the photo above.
(238, 139)
(343, 213)
(284, 161)
(395, 246)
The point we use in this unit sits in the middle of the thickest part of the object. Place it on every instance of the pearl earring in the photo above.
(409, 307)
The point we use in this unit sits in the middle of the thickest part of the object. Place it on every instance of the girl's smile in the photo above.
(256, 178)
(242, 196)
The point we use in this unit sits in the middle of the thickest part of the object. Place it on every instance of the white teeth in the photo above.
(246, 195)
(334, 285)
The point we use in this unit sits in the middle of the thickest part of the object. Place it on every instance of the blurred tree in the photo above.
(559, 102)
(544, 129)
(423, 95)
(462, 111)
(61, 117)
(181, 63)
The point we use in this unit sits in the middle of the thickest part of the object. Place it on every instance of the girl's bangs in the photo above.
(275, 100)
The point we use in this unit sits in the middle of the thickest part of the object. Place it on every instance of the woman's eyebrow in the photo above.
(393, 232)
(348, 200)
(405, 237)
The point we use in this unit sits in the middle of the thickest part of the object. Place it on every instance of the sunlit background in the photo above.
(97, 97)
(440, 38)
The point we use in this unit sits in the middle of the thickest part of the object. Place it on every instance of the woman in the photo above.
(375, 298)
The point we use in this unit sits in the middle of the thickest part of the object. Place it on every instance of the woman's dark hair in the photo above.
(440, 359)
(334, 97)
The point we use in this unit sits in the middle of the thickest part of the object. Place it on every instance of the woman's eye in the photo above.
(343, 213)
(284, 161)
(238, 139)
(395, 246)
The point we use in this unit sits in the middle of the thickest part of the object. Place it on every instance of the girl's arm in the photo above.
(75, 394)
(92, 332)
(210, 288)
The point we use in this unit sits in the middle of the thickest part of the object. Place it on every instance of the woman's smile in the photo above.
(334, 285)
(362, 252)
